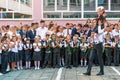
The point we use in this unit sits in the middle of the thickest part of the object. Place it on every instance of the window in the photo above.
(89, 5)
(16, 9)
(48, 5)
(75, 5)
(52, 15)
(115, 5)
(72, 15)
(79, 9)
(103, 3)
(62, 4)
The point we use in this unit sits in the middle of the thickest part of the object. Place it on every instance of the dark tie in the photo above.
(67, 31)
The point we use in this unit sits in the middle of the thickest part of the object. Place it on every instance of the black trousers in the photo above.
(108, 56)
(75, 57)
(48, 59)
(67, 58)
(4, 62)
(56, 57)
(98, 48)
(116, 56)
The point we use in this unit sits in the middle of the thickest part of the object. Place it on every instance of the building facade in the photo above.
(61, 11)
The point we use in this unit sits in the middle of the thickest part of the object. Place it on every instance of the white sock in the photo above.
(85, 63)
(21, 64)
(18, 65)
(63, 62)
(8, 68)
(38, 64)
(81, 62)
(29, 64)
(35, 63)
(26, 64)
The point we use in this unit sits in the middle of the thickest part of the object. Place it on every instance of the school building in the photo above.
(60, 11)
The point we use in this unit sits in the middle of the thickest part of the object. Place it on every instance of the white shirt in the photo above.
(109, 42)
(114, 44)
(11, 34)
(37, 48)
(59, 34)
(28, 46)
(84, 45)
(20, 46)
(65, 32)
(42, 32)
(115, 32)
(104, 34)
(15, 48)
(99, 36)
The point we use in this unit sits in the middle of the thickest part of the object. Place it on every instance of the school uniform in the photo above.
(14, 52)
(43, 43)
(62, 52)
(75, 52)
(23, 35)
(20, 50)
(107, 51)
(4, 59)
(84, 50)
(37, 53)
(56, 54)
(0, 56)
(28, 52)
(31, 34)
(68, 53)
(48, 54)
(67, 32)
(116, 53)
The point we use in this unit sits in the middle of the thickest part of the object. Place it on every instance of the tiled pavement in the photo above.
(67, 74)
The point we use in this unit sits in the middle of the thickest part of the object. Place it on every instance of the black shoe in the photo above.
(5, 72)
(87, 74)
(70, 67)
(67, 67)
(100, 73)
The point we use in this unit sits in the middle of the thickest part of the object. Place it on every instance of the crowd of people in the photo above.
(56, 46)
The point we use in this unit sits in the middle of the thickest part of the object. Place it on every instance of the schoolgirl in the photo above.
(27, 49)
(14, 53)
(37, 53)
(20, 52)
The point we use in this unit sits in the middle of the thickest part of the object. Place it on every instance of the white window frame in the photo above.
(82, 11)
(7, 11)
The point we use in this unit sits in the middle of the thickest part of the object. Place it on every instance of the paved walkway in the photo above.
(111, 73)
